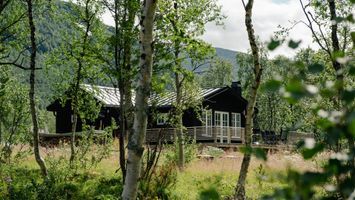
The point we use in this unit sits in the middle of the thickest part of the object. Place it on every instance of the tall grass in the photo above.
(214, 178)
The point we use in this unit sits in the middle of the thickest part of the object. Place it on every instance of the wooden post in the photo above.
(195, 136)
(214, 132)
(229, 135)
(242, 134)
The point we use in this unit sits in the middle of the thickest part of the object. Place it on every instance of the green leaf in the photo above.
(294, 44)
(272, 85)
(353, 36)
(351, 128)
(350, 18)
(296, 89)
(309, 153)
(246, 150)
(338, 54)
(315, 68)
(210, 194)
(260, 153)
(273, 44)
(313, 178)
(352, 70)
(348, 95)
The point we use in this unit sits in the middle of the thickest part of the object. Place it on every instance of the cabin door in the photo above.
(221, 121)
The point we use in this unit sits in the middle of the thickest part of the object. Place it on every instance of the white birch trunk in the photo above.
(136, 140)
(240, 187)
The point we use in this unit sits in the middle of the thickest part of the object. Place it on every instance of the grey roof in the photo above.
(168, 98)
(110, 96)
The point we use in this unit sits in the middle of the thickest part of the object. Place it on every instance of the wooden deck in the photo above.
(262, 146)
(200, 134)
(222, 137)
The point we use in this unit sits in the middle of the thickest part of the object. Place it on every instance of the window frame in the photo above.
(207, 121)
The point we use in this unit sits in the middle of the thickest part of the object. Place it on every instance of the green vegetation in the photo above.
(49, 48)
(103, 181)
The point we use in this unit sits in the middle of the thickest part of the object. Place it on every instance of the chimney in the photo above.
(236, 86)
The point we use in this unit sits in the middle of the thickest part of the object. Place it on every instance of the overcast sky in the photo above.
(267, 15)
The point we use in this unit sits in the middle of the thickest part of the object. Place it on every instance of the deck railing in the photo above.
(199, 134)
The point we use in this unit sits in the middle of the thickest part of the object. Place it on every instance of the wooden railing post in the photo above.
(243, 135)
(229, 135)
(214, 131)
(195, 136)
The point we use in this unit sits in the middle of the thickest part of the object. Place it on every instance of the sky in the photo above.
(267, 16)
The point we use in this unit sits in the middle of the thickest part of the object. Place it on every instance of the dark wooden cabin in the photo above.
(107, 97)
(221, 118)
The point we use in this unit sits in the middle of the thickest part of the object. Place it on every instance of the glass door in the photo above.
(236, 125)
(221, 122)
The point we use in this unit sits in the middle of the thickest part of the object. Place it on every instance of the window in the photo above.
(162, 118)
(207, 121)
(236, 120)
(236, 124)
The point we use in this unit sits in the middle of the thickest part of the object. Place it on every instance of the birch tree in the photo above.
(123, 70)
(79, 59)
(329, 25)
(180, 23)
(136, 140)
(33, 107)
(252, 95)
(23, 26)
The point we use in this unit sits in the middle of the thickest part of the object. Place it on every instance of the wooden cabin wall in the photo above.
(228, 101)
(63, 118)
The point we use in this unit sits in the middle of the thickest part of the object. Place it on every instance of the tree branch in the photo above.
(310, 26)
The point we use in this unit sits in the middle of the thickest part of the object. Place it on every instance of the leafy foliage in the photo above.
(14, 114)
(336, 122)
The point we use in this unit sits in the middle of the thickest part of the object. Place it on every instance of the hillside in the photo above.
(50, 35)
(230, 56)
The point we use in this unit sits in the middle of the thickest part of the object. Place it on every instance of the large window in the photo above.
(207, 121)
(162, 118)
(221, 121)
(236, 124)
(236, 120)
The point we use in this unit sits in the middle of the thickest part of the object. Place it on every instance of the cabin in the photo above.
(220, 117)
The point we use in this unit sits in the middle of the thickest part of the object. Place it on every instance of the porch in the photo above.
(200, 134)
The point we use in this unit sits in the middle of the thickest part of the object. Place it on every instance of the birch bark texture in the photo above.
(136, 140)
(252, 94)
(34, 115)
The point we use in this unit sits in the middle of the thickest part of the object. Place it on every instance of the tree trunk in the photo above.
(117, 57)
(178, 100)
(38, 157)
(339, 73)
(0, 133)
(125, 73)
(178, 121)
(72, 137)
(136, 140)
(79, 77)
(75, 113)
(335, 43)
(122, 136)
(240, 187)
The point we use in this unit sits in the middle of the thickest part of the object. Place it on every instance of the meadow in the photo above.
(100, 178)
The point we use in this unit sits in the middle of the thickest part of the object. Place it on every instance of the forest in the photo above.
(146, 108)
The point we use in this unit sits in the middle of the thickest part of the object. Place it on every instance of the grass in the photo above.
(222, 174)
(219, 175)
